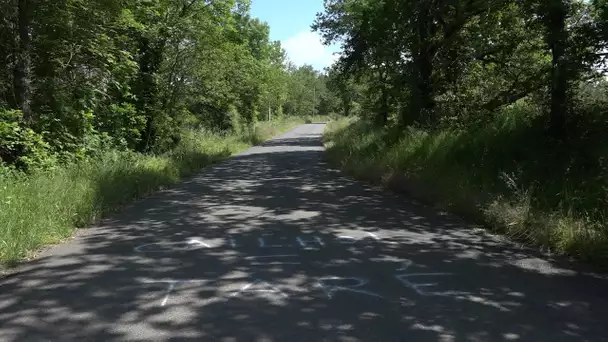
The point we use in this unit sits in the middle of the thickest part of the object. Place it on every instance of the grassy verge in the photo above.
(503, 174)
(46, 207)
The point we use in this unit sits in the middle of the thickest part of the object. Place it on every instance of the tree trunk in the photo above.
(425, 69)
(421, 102)
(382, 118)
(346, 98)
(556, 37)
(146, 88)
(346, 104)
(21, 72)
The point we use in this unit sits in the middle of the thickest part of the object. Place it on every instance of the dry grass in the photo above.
(502, 174)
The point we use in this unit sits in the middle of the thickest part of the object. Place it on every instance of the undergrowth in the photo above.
(45, 207)
(504, 173)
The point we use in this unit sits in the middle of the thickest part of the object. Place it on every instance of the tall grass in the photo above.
(45, 207)
(505, 173)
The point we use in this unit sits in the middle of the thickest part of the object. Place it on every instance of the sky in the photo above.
(289, 22)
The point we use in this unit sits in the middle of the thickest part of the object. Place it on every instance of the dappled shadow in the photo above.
(275, 245)
(115, 189)
(299, 142)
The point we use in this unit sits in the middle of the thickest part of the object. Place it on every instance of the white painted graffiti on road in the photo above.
(329, 285)
(405, 279)
(171, 284)
(259, 286)
(303, 242)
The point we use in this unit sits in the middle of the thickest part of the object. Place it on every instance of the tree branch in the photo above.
(517, 91)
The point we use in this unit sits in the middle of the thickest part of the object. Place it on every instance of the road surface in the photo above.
(275, 245)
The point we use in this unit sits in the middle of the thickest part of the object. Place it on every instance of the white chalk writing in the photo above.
(404, 278)
(259, 286)
(304, 242)
(331, 285)
(310, 242)
(171, 284)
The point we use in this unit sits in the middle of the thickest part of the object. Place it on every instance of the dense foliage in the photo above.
(430, 62)
(82, 76)
(496, 109)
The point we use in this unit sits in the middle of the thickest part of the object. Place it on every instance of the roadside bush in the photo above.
(21, 146)
(504, 174)
(86, 190)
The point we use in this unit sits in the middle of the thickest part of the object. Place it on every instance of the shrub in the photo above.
(20, 145)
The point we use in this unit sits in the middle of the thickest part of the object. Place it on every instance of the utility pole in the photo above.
(268, 112)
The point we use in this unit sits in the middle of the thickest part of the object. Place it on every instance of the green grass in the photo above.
(504, 174)
(46, 207)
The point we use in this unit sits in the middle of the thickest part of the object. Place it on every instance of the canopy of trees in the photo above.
(83, 75)
(432, 62)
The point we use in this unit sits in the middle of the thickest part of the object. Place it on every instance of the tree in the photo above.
(22, 68)
(134, 74)
(434, 60)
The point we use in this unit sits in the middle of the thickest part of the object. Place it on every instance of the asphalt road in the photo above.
(275, 245)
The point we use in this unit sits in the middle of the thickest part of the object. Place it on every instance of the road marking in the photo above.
(330, 289)
(169, 280)
(171, 285)
(272, 263)
(405, 265)
(373, 235)
(263, 244)
(191, 244)
(403, 278)
(303, 243)
(272, 256)
(417, 286)
(270, 289)
(198, 242)
(346, 237)
(168, 293)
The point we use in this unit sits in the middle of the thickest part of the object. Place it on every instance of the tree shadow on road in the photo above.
(275, 245)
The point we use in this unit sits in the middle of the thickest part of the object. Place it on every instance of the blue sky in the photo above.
(290, 22)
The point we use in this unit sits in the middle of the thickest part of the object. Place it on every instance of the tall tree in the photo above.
(22, 71)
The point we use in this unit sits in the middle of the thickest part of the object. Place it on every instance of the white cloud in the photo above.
(306, 48)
